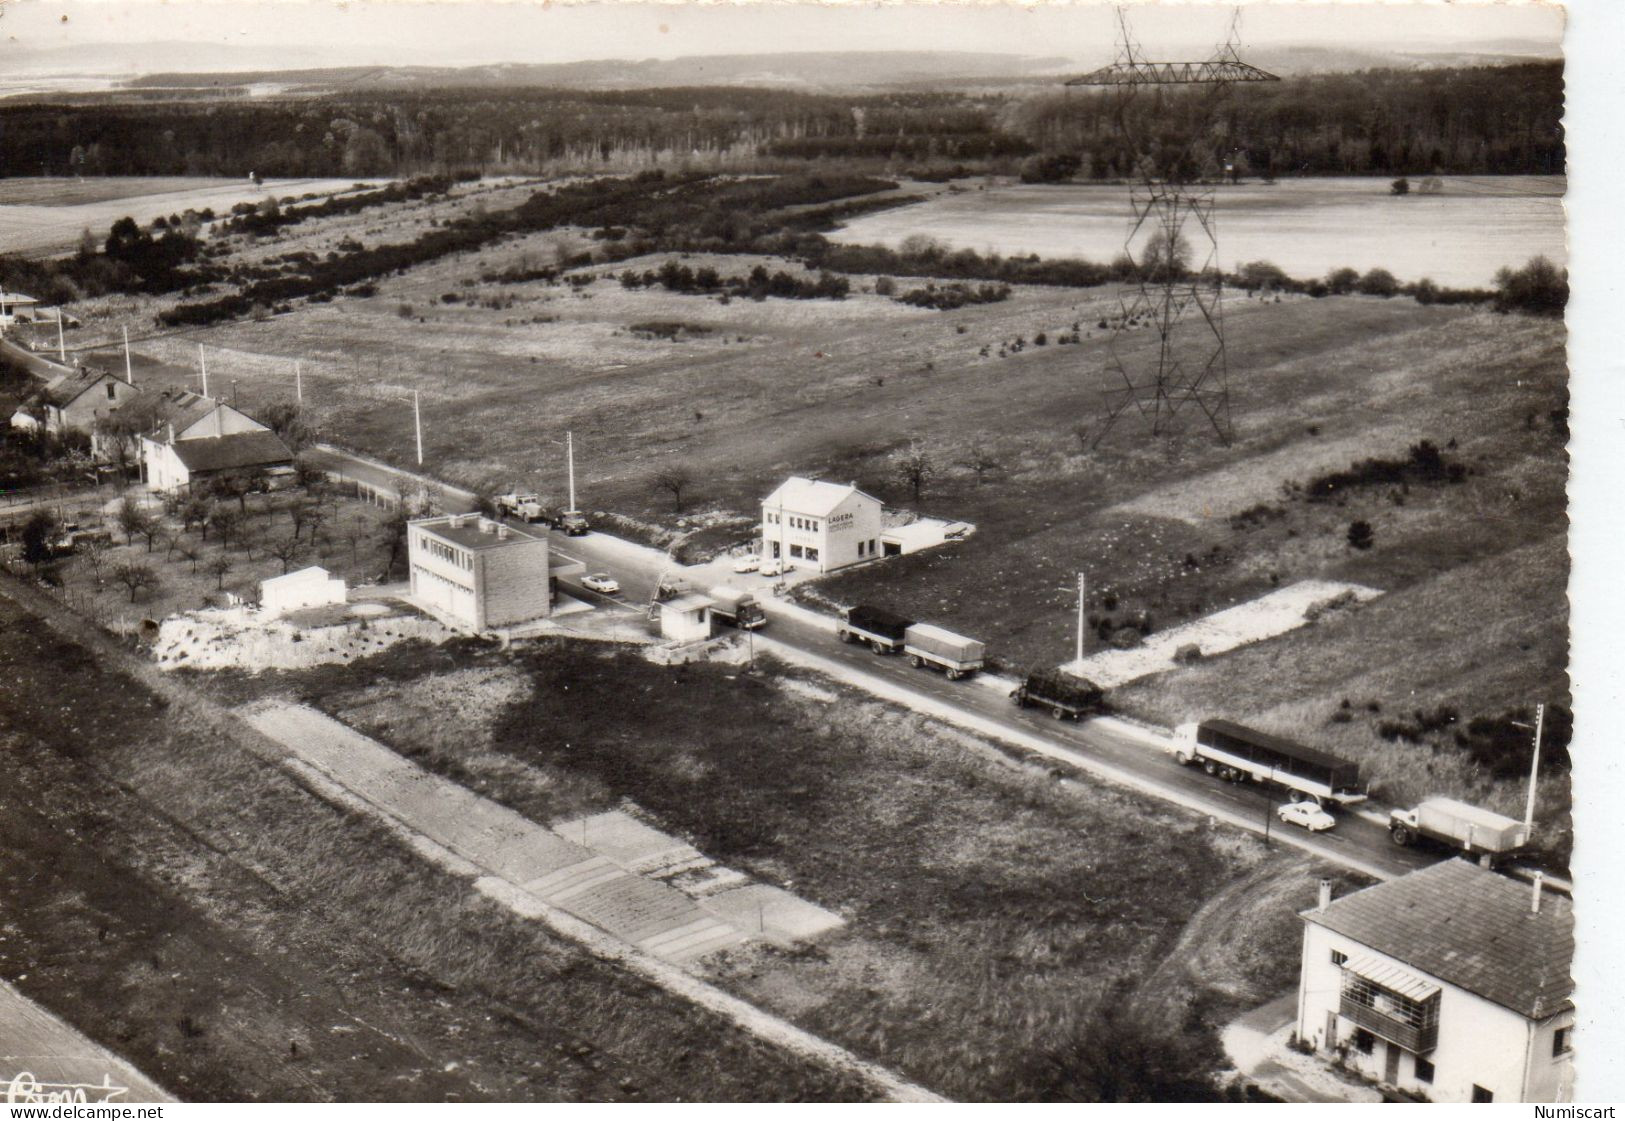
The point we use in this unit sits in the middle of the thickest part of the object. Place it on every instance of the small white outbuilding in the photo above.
(309, 587)
(686, 618)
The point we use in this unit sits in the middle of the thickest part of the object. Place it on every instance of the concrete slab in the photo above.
(1265, 617)
(627, 841)
(773, 914)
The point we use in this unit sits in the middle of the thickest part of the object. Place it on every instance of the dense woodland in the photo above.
(1485, 120)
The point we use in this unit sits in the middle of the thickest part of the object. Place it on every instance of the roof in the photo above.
(1286, 747)
(225, 453)
(812, 497)
(62, 390)
(688, 601)
(313, 574)
(181, 409)
(1467, 927)
(475, 532)
(11, 298)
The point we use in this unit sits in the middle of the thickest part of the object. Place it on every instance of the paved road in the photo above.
(379, 476)
(1095, 746)
(1355, 842)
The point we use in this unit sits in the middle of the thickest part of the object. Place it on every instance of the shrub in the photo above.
(1539, 288)
(1378, 282)
(1360, 535)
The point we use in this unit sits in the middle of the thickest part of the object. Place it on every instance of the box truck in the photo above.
(1459, 825)
(737, 608)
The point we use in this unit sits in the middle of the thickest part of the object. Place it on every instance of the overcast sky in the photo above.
(475, 31)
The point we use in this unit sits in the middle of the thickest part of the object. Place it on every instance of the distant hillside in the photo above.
(824, 71)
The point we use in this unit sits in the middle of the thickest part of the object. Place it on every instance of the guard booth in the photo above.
(687, 618)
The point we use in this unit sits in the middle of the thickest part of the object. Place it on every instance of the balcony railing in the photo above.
(1418, 1041)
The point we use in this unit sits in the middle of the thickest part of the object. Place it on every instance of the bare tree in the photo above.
(190, 550)
(980, 459)
(287, 550)
(916, 468)
(94, 551)
(353, 534)
(674, 480)
(136, 577)
(228, 524)
(218, 567)
(150, 528)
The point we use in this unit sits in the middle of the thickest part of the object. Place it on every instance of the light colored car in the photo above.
(748, 563)
(771, 567)
(1308, 815)
(602, 583)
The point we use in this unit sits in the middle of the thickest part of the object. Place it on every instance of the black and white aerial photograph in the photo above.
(790, 552)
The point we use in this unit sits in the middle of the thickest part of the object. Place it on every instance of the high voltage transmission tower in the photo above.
(1176, 294)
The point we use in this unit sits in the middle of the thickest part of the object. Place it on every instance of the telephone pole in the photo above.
(203, 368)
(417, 423)
(1081, 589)
(129, 375)
(570, 461)
(298, 384)
(61, 346)
(1534, 771)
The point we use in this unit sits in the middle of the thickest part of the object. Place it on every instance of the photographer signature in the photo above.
(25, 1089)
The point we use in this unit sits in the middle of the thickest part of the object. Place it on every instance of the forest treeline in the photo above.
(1481, 120)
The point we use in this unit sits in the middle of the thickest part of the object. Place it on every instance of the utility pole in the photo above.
(129, 375)
(61, 346)
(203, 368)
(298, 384)
(1081, 589)
(417, 423)
(1534, 771)
(570, 461)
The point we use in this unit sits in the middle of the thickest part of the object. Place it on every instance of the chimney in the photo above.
(456, 521)
(487, 525)
(1534, 897)
(1325, 895)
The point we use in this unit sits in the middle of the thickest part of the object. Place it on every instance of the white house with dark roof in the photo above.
(197, 437)
(1452, 982)
(821, 526)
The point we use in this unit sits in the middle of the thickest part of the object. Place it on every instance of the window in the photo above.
(1481, 1095)
(1364, 1041)
(1339, 957)
(1424, 1070)
(812, 554)
(112, 392)
(795, 550)
(1562, 1042)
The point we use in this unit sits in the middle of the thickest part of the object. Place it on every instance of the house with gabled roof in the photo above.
(808, 523)
(1450, 983)
(74, 401)
(196, 438)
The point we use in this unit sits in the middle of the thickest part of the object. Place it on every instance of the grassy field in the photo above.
(79, 192)
(994, 915)
(1166, 530)
(193, 907)
(1458, 237)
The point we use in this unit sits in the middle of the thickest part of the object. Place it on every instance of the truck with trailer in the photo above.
(1459, 825)
(954, 654)
(1066, 697)
(1239, 754)
(737, 608)
(881, 630)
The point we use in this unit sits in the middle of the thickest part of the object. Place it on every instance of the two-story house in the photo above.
(1451, 983)
(820, 526)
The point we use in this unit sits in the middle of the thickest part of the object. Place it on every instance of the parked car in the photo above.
(602, 583)
(1306, 814)
(750, 562)
(771, 567)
